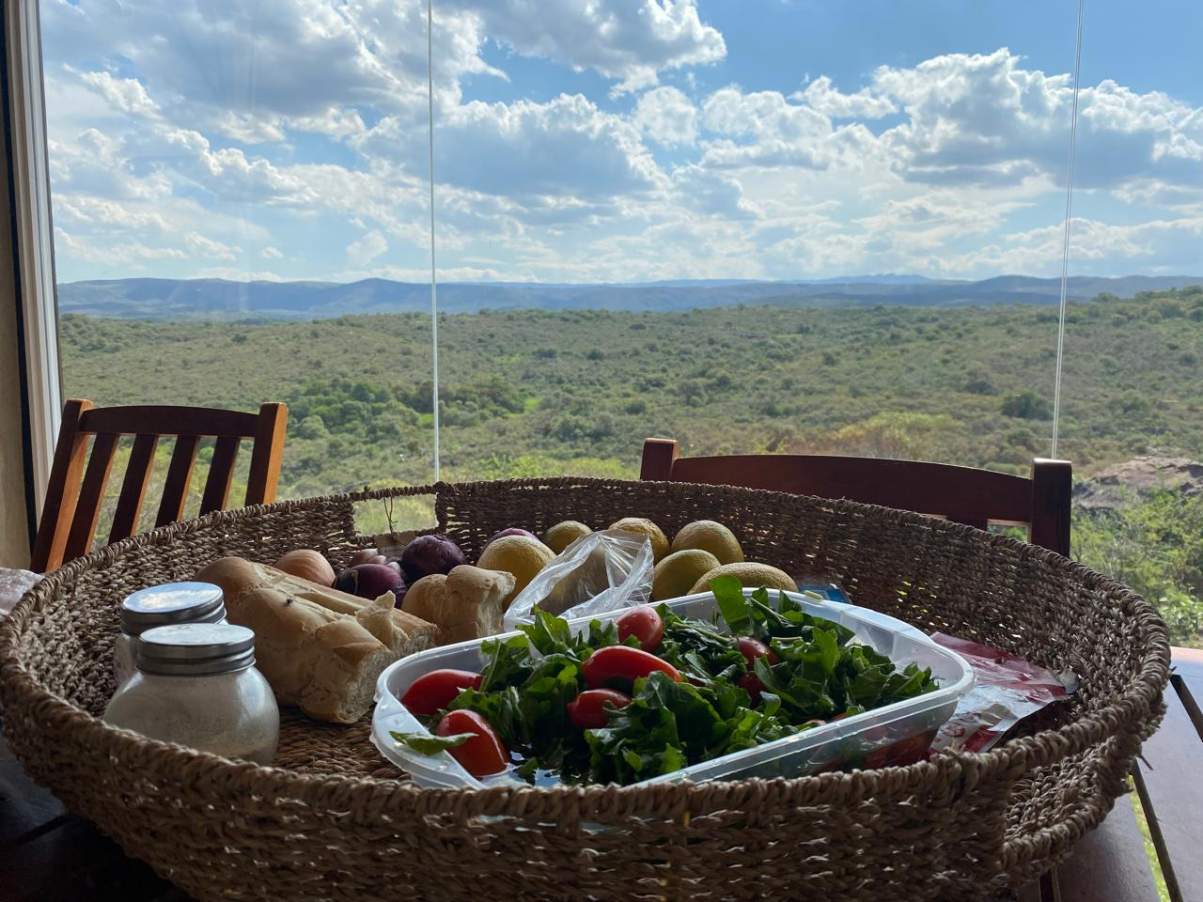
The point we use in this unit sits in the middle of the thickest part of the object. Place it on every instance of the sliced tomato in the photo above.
(621, 665)
(481, 755)
(645, 624)
(588, 710)
(432, 692)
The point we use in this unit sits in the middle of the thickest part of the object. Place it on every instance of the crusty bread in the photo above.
(319, 648)
(465, 604)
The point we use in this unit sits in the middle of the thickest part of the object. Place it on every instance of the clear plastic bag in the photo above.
(600, 572)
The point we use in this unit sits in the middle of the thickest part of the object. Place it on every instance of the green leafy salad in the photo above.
(652, 692)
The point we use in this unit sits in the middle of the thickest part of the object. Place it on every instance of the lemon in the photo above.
(710, 536)
(520, 556)
(676, 573)
(644, 527)
(564, 534)
(750, 576)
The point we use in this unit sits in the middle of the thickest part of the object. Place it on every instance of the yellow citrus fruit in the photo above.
(520, 556)
(750, 576)
(564, 534)
(644, 527)
(679, 571)
(710, 536)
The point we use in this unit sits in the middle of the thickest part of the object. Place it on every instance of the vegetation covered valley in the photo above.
(531, 392)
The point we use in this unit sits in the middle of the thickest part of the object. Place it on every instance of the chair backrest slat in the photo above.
(179, 475)
(70, 456)
(267, 454)
(77, 482)
(91, 493)
(170, 421)
(963, 494)
(221, 473)
(133, 487)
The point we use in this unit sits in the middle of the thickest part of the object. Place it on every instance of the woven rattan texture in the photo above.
(331, 821)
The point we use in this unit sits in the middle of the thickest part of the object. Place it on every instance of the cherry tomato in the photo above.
(432, 692)
(621, 665)
(751, 684)
(752, 649)
(644, 624)
(481, 755)
(588, 710)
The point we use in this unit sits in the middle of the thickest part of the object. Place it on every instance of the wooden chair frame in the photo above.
(962, 494)
(74, 495)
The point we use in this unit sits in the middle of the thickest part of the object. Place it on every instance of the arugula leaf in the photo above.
(549, 634)
(729, 595)
(425, 744)
(509, 662)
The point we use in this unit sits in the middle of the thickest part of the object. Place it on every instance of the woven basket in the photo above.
(332, 821)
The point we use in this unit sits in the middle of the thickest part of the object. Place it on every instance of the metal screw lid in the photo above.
(171, 603)
(195, 649)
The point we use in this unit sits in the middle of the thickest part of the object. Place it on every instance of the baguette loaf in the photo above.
(320, 649)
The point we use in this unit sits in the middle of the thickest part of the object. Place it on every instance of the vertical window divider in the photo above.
(33, 244)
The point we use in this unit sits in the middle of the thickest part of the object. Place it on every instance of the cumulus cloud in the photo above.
(183, 133)
(984, 119)
(629, 40)
(566, 146)
(667, 116)
(125, 94)
(368, 248)
(823, 96)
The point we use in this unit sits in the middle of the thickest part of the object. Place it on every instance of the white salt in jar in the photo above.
(196, 684)
(160, 606)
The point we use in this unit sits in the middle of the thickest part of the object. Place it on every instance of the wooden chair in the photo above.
(74, 494)
(962, 494)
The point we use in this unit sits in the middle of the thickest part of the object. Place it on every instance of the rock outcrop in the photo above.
(1113, 486)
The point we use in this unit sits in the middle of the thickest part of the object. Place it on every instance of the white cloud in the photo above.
(369, 247)
(823, 96)
(565, 147)
(183, 133)
(199, 245)
(125, 94)
(983, 119)
(629, 40)
(667, 116)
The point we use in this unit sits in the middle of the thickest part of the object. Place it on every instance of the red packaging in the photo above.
(1007, 689)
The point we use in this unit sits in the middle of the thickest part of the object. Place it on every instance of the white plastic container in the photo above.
(832, 745)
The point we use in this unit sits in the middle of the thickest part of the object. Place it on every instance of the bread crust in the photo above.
(320, 649)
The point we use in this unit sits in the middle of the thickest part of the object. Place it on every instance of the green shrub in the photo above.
(1027, 406)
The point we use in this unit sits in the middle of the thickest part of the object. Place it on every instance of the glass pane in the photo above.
(755, 228)
(1132, 416)
(240, 216)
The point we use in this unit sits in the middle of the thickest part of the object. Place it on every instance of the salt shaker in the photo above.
(160, 606)
(196, 685)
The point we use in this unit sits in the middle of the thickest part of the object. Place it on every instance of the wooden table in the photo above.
(47, 855)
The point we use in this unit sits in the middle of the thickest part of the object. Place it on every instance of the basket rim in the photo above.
(1013, 759)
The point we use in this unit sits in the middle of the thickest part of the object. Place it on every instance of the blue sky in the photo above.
(620, 140)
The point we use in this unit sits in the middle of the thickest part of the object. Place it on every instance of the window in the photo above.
(754, 227)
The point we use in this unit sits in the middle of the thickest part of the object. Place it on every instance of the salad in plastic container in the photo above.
(726, 684)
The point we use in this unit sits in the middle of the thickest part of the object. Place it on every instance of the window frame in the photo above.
(33, 242)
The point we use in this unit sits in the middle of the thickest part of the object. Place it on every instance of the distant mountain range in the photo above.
(176, 299)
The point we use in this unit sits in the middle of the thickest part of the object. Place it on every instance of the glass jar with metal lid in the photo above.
(196, 684)
(160, 606)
